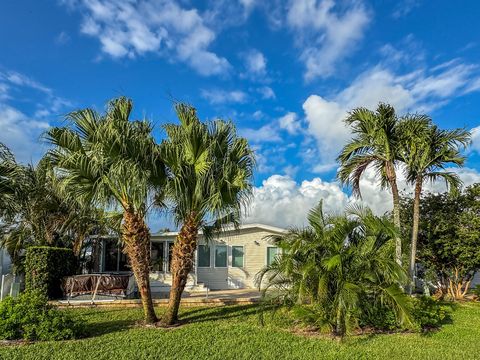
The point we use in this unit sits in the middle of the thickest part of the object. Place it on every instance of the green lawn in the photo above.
(234, 333)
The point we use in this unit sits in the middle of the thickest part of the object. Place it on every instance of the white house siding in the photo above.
(254, 259)
(251, 237)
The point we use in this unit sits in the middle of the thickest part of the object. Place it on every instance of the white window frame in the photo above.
(215, 256)
(209, 257)
(243, 257)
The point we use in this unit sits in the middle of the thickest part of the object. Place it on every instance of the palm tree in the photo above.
(374, 145)
(210, 170)
(8, 173)
(333, 270)
(36, 210)
(426, 150)
(110, 161)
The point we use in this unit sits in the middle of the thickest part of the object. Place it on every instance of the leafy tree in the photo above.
(448, 238)
(374, 144)
(108, 160)
(426, 151)
(336, 268)
(8, 174)
(209, 180)
(37, 211)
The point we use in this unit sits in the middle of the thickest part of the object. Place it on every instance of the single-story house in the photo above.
(230, 261)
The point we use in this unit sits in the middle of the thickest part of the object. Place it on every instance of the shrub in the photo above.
(378, 316)
(429, 313)
(45, 267)
(29, 317)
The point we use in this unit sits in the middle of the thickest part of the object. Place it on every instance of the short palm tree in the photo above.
(374, 144)
(37, 211)
(210, 170)
(336, 268)
(9, 170)
(426, 151)
(110, 161)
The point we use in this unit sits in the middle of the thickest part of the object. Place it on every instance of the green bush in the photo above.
(29, 317)
(379, 316)
(429, 313)
(45, 267)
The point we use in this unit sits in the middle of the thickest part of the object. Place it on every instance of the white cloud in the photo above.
(62, 38)
(404, 7)
(283, 202)
(418, 91)
(21, 134)
(475, 146)
(255, 64)
(266, 92)
(266, 133)
(217, 96)
(18, 79)
(290, 123)
(126, 28)
(325, 33)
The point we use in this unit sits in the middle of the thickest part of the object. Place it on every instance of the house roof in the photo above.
(232, 228)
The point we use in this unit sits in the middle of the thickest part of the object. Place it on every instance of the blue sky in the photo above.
(285, 71)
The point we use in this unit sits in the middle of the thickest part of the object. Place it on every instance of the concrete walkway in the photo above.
(212, 298)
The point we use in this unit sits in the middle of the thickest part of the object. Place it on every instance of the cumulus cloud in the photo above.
(475, 146)
(126, 28)
(283, 202)
(421, 90)
(325, 33)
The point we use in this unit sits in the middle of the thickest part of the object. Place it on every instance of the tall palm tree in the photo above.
(111, 161)
(426, 151)
(374, 145)
(337, 267)
(210, 170)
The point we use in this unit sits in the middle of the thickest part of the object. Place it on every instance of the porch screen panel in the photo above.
(203, 256)
(221, 256)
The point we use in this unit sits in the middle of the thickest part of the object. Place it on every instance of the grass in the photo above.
(234, 333)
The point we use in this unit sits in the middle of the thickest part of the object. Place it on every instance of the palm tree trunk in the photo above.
(182, 263)
(392, 178)
(416, 221)
(136, 236)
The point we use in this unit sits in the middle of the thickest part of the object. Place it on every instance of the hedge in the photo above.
(45, 266)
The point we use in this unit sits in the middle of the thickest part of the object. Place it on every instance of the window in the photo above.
(237, 256)
(203, 256)
(272, 252)
(220, 256)
(156, 255)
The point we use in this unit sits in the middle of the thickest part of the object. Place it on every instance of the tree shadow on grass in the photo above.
(107, 327)
(218, 313)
